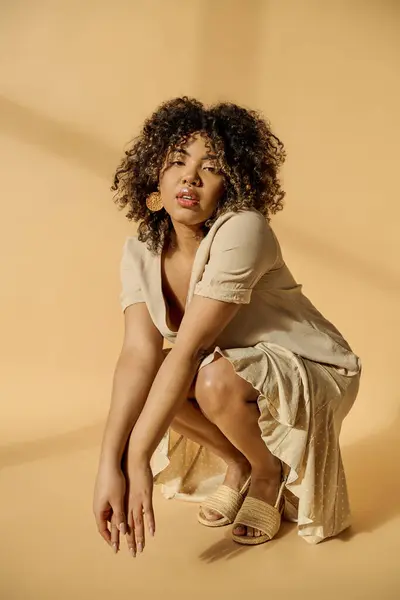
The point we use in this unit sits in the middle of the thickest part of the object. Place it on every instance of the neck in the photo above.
(186, 239)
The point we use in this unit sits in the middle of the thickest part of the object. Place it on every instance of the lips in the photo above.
(188, 194)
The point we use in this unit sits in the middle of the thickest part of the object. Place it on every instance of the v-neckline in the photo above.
(160, 286)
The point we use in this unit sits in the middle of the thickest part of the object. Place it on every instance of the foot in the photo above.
(263, 488)
(236, 476)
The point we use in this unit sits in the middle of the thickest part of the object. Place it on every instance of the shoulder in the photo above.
(244, 223)
(133, 252)
(243, 240)
(132, 245)
(248, 228)
(249, 217)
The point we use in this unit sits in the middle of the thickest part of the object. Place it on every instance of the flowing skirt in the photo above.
(302, 405)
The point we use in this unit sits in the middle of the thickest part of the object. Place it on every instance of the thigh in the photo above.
(332, 389)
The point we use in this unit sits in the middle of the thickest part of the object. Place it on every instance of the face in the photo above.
(191, 183)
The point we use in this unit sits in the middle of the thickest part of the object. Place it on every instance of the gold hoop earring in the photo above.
(154, 202)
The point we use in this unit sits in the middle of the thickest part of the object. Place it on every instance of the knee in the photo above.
(215, 394)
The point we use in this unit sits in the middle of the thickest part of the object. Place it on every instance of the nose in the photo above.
(191, 178)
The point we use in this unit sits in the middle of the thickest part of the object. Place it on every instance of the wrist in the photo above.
(138, 456)
(110, 460)
(138, 450)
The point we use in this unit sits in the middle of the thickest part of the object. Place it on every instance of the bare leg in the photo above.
(192, 423)
(238, 421)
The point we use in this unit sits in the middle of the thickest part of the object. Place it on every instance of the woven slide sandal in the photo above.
(262, 516)
(225, 501)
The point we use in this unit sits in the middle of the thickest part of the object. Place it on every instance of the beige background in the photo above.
(77, 79)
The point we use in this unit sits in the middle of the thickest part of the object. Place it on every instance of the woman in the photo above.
(243, 414)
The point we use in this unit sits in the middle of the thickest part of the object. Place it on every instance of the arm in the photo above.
(138, 363)
(140, 358)
(202, 323)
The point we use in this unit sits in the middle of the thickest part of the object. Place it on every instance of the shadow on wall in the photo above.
(92, 153)
(380, 276)
(370, 465)
(57, 138)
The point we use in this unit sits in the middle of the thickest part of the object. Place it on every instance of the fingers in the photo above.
(150, 519)
(138, 527)
(114, 534)
(111, 534)
(130, 535)
(135, 536)
(120, 521)
(118, 525)
(102, 526)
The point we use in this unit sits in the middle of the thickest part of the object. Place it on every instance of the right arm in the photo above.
(140, 358)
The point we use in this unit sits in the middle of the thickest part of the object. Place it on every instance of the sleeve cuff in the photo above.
(223, 293)
(125, 301)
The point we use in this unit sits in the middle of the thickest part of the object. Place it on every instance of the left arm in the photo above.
(203, 321)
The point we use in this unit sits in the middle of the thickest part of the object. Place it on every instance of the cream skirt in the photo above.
(302, 405)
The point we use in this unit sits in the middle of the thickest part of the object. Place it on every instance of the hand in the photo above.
(108, 504)
(139, 503)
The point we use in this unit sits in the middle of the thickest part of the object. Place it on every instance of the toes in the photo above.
(209, 514)
(247, 531)
(240, 530)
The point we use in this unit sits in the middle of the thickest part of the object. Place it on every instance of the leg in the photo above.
(192, 423)
(228, 401)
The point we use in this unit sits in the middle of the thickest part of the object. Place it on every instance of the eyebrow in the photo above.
(183, 151)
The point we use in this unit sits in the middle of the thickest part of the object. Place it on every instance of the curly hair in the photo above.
(249, 155)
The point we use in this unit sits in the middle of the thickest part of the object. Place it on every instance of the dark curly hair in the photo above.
(249, 155)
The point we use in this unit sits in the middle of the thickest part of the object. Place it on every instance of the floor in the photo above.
(50, 548)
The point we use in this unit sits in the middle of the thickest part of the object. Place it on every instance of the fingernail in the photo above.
(151, 531)
(140, 547)
(115, 548)
(133, 552)
(122, 528)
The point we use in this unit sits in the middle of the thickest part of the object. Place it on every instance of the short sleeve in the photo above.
(243, 249)
(131, 291)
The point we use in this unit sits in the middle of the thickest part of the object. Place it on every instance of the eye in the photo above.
(177, 161)
(211, 169)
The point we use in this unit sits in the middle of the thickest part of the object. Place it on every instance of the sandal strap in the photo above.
(259, 515)
(226, 501)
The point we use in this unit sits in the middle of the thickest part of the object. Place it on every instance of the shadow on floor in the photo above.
(372, 470)
(371, 464)
(227, 549)
(373, 476)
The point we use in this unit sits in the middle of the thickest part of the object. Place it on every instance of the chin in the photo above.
(188, 219)
(184, 214)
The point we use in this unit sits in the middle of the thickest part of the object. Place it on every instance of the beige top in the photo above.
(240, 261)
